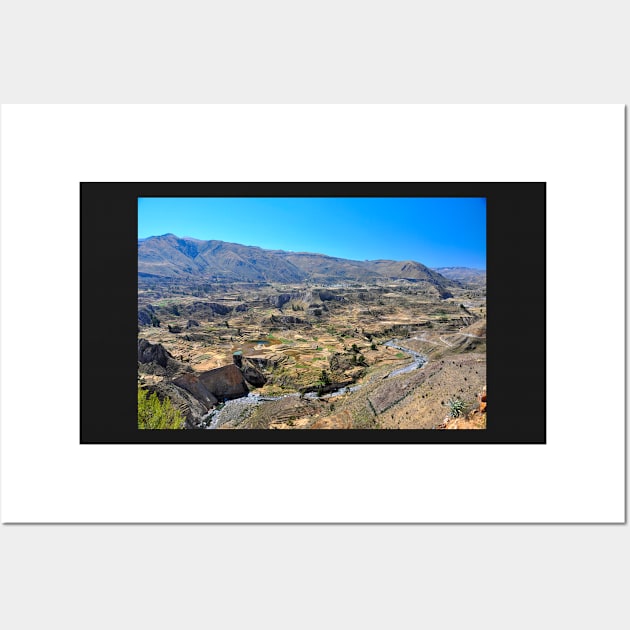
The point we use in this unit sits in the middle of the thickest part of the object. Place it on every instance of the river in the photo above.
(234, 408)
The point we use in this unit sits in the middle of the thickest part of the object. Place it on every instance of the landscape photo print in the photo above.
(253, 315)
(313, 312)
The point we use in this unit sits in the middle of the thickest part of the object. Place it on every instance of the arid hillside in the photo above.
(171, 257)
(385, 353)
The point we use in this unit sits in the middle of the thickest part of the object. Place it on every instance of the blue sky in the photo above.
(438, 232)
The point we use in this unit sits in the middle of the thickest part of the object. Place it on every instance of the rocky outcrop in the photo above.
(191, 408)
(267, 360)
(249, 369)
(219, 309)
(224, 383)
(144, 317)
(197, 393)
(344, 362)
(287, 320)
(280, 300)
(153, 353)
(328, 296)
(155, 359)
(192, 323)
(252, 374)
(191, 383)
(325, 389)
(147, 317)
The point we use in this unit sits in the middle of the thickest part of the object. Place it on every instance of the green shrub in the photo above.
(153, 414)
(456, 407)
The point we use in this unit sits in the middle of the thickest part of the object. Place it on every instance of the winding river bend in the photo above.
(216, 417)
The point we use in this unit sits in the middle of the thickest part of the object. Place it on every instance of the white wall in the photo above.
(335, 576)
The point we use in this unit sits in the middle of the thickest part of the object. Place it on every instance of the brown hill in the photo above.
(169, 256)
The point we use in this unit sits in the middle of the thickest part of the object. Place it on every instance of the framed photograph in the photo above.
(313, 312)
(119, 222)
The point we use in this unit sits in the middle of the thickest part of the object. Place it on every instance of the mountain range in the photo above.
(169, 256)
(463, 274)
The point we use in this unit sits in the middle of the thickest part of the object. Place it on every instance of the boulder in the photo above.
(224, 383)
(191, 383)
(209, 388)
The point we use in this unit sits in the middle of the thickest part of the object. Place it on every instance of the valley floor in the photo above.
(321, 357)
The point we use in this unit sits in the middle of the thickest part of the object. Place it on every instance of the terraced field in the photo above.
(312, 341)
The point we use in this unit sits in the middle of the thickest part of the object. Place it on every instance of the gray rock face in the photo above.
(153, 353)
(224, 383)
(328, 296)
(195, 394)
(219, 309)
(280, 300)
(252, 374)
(191, 408)
(155, 359)
(144, 317)
(191, 383)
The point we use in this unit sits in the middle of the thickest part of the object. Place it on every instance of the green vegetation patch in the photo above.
(153, 414)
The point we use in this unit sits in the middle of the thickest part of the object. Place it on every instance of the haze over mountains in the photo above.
(169, 256)
(463, 274)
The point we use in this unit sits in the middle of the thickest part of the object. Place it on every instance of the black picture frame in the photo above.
(516, 325)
